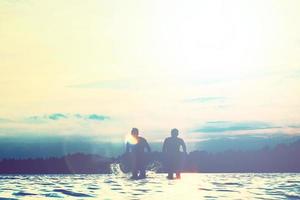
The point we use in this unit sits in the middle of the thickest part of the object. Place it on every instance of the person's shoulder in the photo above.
(180, 139)
(142, 139)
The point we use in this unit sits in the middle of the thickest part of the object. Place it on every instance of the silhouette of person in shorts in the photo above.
(172, 154)
(136, 149)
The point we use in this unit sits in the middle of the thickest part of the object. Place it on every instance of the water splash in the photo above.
(155, 166)
(115, 168)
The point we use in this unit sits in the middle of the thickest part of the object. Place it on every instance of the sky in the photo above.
(97, 68)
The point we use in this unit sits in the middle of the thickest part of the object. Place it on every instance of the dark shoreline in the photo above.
(280, 159)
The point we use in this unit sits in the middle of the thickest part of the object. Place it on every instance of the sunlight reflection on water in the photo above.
(156, 186)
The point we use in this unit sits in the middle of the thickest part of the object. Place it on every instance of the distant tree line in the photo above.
(282, 158)
(69, 164)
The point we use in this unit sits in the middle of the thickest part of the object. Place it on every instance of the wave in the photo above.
(3, 198)
(23, 194)
(292, 197)
(71, 193)
(156, 186)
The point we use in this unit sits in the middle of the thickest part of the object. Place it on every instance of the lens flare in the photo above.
(130, 139)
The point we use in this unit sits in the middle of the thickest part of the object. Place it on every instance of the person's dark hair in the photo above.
(134, 130)
(174, 132)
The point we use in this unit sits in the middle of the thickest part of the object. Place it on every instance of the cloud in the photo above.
(64, 116)
(113, 84)
(208, 99)
(296, 74)
(290, 74)
(97, 117)
(225, 126)
(57, 116)
(294, 126)
(244, 142)
(64, 124)
(45, 118)
(4, 120)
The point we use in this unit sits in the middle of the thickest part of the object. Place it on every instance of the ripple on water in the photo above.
(53, 195)
(292, 197)
(116, 185)
(71, 193)
(3, 198)
(8, 178)
(109, 181)
(234, 184)
(136, 194)
(7, 189)
(293, 181)
(208, 186)
(93, 188)
(142, 190)
(210, 197)
(205, 189)
(118, 188)
(227, 184)
(224, 190)
(46, 184)
(23, 194)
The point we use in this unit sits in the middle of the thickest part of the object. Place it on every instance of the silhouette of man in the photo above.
(171, 150)
(136, 148)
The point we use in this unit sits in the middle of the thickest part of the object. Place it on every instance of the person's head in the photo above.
(134, 132)
(174, 132)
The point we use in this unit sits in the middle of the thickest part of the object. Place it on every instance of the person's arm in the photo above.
(147, 146)
(183, 146)
(127, 147)
(164, 146)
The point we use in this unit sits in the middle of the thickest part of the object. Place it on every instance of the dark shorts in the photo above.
(138, 161)
(173, 162)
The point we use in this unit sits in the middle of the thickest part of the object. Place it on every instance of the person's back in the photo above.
(171, 150)
(139, 147)
(137, 152)
(173, 144)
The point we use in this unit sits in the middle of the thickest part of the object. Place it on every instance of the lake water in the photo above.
(156, 186)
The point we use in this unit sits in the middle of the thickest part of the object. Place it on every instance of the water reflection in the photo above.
(191, 186)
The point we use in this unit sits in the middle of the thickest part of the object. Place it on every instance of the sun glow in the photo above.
(130, 139)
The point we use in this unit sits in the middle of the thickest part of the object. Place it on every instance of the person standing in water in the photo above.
(172, 153)
(136, 148)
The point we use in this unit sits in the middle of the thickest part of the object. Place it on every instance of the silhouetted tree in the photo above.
(282, 158)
